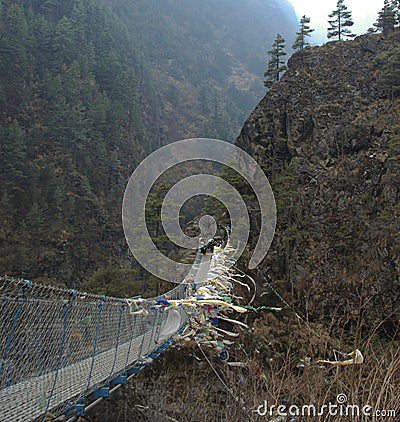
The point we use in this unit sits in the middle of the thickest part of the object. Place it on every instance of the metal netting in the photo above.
(60, 345)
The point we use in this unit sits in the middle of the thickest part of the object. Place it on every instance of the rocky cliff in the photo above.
(328, 137)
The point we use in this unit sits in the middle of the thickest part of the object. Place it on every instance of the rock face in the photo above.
(328, 137)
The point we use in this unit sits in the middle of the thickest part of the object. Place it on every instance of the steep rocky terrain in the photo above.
(327, 135)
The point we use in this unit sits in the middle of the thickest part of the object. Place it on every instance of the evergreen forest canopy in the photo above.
(72, 96)
(206, 58)
(87, 88)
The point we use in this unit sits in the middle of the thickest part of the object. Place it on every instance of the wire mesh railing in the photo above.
(58, 346)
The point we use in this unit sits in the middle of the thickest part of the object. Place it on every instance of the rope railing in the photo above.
(60, 346)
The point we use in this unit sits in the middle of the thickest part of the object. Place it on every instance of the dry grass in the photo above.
(183, 387)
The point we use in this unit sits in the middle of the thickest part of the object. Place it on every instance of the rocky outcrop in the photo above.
(328, 137)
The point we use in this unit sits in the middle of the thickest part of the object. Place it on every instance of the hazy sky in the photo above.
(364, 14)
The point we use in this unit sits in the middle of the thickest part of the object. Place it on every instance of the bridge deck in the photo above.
(55, 351)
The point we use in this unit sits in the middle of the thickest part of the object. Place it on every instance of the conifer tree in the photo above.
(304, 31)
(275, 65)
(13, 153)
(339, 25)
(387, 18)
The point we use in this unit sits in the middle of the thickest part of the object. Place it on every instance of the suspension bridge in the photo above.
(63, 349)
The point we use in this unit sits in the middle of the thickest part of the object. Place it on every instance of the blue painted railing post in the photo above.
(67, 309)
(121, 310)
(131, 340)
(96, 336)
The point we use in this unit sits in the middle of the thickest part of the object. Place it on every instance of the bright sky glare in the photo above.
(364, 14)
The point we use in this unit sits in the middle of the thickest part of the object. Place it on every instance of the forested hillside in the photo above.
(87, 88)
(207, 58)
(72, 95)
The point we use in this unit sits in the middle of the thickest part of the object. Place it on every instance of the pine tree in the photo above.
(339, 25)
(63, 43)
(304, 31)
(387, 18)
(15, 43)
(13, 153)
(275, 65)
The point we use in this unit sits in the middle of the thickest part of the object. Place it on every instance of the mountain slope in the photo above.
(208, 58)
(72, 96)
(87, 88)
(327, 135)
